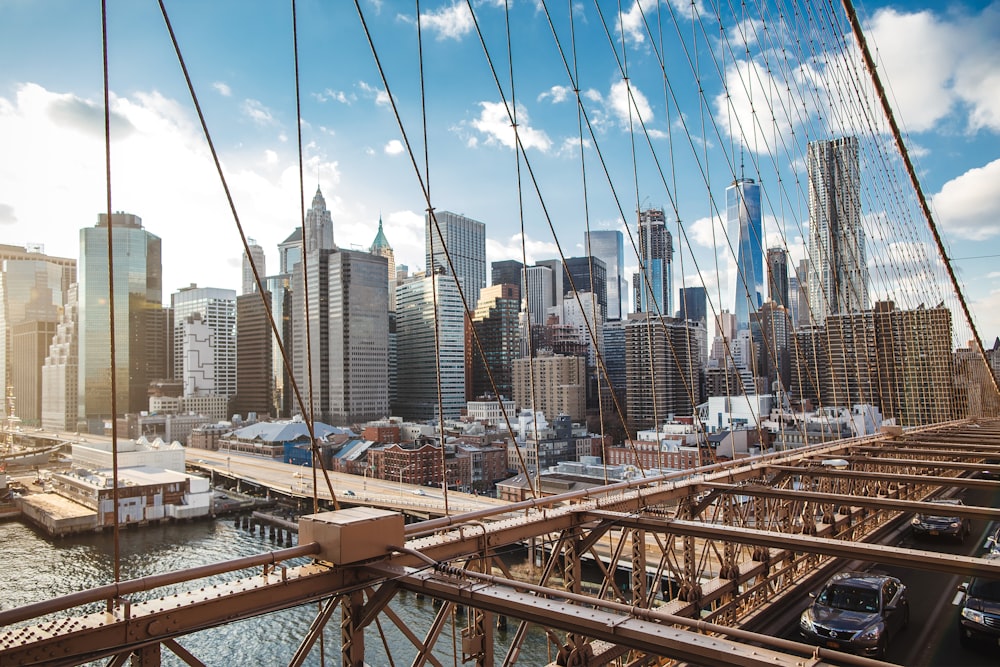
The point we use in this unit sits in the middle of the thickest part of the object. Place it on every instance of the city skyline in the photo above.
(952, 124)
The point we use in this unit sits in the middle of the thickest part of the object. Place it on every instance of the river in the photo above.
(36, 568)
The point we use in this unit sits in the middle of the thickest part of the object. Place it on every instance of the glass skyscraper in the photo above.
(465, 240)
(654, 294)
(743, 208)
(838, 274)
(609, 246)
(138, 288)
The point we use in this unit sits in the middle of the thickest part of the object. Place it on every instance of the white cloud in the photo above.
(510, 248)
(494, 122)
(969, 206)
(620, 102)
(329, 95)
(223, 89)
(381, 96)
(57, 179)
(257, 112)
(632, 22)
(452, 22)
(936, 63)
(393, 147)
(556, 93)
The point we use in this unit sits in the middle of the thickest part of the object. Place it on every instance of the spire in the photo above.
(380, 242)
(319, 202)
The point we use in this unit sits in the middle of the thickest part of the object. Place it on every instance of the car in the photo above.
(941, 525)
(991, 473)
(348, 492)
(993, 542)
(979, 619)
(418, 492)
(857, 612)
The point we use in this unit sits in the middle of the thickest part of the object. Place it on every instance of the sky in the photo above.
(941, 61)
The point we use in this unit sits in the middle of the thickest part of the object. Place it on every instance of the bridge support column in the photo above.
(638, 582)
(352, 637)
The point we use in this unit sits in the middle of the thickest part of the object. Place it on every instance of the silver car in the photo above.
(857, 612)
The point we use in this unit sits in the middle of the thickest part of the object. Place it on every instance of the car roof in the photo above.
(860, 579)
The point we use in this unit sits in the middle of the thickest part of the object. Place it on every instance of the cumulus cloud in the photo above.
(53, 178)
(222, 88)
(969, 206)
(632, 23)
(257, 112)
(619, 101)
(393, 147)
(556, 93)
(494, 123)
(270, 157)
(380, 96)
(451, 22)
(510, 248)
(85, 116)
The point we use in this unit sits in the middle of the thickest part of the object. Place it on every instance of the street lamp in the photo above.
(401, 471)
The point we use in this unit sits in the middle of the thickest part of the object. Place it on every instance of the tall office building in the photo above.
(217, 310)
(609, 246)
(654, 294)
(743, 210)
(278, 287)
(465, 240)
(777, 276)
(416, 321)
(838, 274)
(380, 246)
(257, 255)
(693, 304)
(254, 367)
(496, 323)
(348, 334)
(587, 274)
(663, 373)
(552, 384)
(60, 370)
(538, 293)
(138, 287)
(319, 234)
(33, 288)
(507, 272)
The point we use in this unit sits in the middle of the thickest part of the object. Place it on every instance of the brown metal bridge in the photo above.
(738, 539)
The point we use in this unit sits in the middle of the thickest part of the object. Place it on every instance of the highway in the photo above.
(297, 481)
(932, 637)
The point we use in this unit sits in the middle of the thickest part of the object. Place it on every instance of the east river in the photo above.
(36, 568)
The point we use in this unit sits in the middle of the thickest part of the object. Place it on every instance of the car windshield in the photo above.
(849, 598)
(985, 589)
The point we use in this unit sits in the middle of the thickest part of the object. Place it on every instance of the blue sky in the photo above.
(941, 60)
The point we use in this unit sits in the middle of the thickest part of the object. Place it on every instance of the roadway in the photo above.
(932, 637)
(297, 481)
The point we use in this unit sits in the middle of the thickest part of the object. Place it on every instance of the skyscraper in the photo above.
(507, 272)
(60, 370)
(33, 288)
(496, 323)
(381, 247)
(587, 274)
(609, 246)
(254, 379)
(217, 310)
(319, 234)
(743, 209)
(465, 240)
(415, 332)
(838, 274)
(777, 276)
(348, 334)
(138, 287)
(257, 254)
(655, 292)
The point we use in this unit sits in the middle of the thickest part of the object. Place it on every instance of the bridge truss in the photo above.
(710, 556)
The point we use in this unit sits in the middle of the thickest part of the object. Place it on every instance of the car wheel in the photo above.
(964, 639)
(906, 618)
(880, 648)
